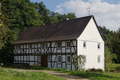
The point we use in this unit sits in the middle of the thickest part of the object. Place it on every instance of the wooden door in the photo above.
(44, 62)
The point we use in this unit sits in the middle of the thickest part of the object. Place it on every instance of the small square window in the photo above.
(98, 59)
(59, 59)
(84, 44)
(68, 44)
(98, 46)
(68, 59)
(59, 44)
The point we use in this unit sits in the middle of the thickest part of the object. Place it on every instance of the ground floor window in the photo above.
(59, 59)
(68, 59)
(85, 58)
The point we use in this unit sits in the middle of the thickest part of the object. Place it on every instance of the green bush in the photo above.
(79, 62)
(59, 69)
(94, 70)
(36, 67)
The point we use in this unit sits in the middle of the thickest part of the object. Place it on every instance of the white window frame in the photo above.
(68, 44)
(67, 59)
(58, 59)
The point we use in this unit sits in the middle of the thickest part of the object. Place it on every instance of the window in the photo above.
(18, 47)
(85, 58)
(98, 45)
(59, 59)
(30, 46)
(42, 46)
(98, 59)
(84, 44)
(59, 45)
(68, 44)
(46, 46)
(15, 47)
(49, 58)
(68, 59)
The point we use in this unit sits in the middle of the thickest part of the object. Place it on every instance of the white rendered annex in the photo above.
(91, 44)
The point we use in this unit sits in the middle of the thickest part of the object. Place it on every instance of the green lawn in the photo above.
(92, 75)
(14, 75)
(8, 74)
(97, 75)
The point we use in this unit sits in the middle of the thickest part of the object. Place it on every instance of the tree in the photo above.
(20, 14)
(116, 45)
(16, 16)
(56, 17)
(44, 12)
(3, 29)
(108, 58)
(79, 62)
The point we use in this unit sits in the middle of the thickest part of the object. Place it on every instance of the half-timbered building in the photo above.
(55, 45)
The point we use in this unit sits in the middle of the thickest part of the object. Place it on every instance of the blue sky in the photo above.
(106, 12)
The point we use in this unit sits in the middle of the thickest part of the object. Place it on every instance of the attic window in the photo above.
(98, 45)
(84, 44)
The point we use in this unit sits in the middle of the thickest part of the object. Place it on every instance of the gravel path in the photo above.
(56, 73)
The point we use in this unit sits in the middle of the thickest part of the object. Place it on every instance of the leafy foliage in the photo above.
(116, 45)
(79, 62)
(112, 44)
(16, 16)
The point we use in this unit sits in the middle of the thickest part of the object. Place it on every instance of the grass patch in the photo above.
(91, 75)
(114, 68)
(8, 74)
(94, 75)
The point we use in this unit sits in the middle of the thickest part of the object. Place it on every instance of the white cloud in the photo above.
(95, 1)
(105, 14)
(59, 10)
